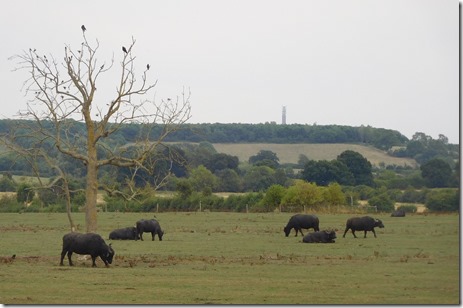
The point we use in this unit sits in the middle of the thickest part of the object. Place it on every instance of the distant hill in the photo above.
(289, 153)
(288, 141)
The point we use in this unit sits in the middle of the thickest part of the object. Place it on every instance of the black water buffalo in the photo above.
(86, 244)
(151, 226)
(129, 233)
(301, 221)
(326, 236)
(365, 223)
(398, 213)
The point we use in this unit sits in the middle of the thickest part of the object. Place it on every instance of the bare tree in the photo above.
(62, 93)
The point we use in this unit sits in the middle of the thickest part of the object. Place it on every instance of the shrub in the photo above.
(364, 192)
(382, 202)
(408, 208)
(78, 198)
(272, 197)
(10, 205)
(121, 205)
(443, 200)
(33, 208)
(413, 196)
(24, 193)
(7, 184)
(48, 196)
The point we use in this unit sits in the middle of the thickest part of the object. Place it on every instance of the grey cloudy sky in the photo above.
(390, 64)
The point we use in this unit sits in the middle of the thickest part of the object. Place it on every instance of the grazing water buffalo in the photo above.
(365, 223)
(129, 233)
(326, 236)
(151, 226)
(398, 213)
(86, 244)
(301, 221)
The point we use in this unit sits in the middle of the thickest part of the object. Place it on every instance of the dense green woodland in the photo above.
(421, 146)
(196, 170)
(242, 133)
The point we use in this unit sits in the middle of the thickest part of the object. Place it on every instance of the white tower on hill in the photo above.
(283, 116)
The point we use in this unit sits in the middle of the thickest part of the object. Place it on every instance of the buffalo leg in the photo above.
(141, 236)
(353, 232)
(93, 261)
(63, 253)
(152, 235)
(345, 231)
(374, 233)
(365, 236)
(69, 257)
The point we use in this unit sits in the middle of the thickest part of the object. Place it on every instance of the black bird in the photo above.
(83, 28)
(123, 49)
(147, 66)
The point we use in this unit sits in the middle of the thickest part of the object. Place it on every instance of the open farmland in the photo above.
(289, 153)
(234, 258)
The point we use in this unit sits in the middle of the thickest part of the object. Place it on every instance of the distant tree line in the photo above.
(252, 133)
(195, 170)
(421, 147)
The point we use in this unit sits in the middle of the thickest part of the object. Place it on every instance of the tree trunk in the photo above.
(91, 191)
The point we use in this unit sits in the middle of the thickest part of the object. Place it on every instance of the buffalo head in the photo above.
(379, 223)
(109, 254)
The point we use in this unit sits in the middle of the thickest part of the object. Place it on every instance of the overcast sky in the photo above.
(389, 64)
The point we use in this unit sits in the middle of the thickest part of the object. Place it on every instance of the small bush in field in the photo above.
(408, 208)
(443, 200)
(382, 202)
(10, 205)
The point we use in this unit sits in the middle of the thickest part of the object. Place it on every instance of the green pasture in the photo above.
(234, 258)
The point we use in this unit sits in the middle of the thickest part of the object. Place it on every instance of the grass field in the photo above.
(234, 258)
(289, 153)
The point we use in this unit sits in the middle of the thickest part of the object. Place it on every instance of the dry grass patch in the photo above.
(289, 153)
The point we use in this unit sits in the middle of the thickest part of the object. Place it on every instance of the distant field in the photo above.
(289, 153)
(28, 179)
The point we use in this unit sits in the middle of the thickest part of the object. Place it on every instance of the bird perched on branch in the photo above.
(123, 49)
(83, 28)
(147, 66)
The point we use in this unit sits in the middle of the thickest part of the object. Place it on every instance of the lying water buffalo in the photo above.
(398, 213)
(365, 223)
(326, 236)
(151, 226)
(301, 221)
(86, 244)
(129, 233)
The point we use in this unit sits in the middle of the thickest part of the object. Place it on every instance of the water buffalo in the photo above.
(301, 221)
(86, 244)
(129, 233)
(398, 213)
(365, 223)
(151, 226)
(326, 236)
